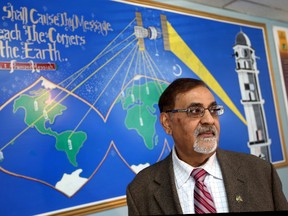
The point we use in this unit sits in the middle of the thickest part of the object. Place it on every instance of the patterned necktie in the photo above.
(203, 202)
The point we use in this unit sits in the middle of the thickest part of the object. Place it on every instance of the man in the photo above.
(236, 182)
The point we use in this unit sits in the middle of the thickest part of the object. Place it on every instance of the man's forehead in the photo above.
(198, 93)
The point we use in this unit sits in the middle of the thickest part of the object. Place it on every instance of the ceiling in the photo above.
(270, 9)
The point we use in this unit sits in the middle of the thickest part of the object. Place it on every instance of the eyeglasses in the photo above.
(199, 111)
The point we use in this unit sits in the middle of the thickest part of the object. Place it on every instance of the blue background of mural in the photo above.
(32, 165)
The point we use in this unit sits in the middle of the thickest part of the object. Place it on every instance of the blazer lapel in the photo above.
(233, 181)
(166, 196)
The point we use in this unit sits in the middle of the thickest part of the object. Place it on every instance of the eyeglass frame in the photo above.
(188, 110)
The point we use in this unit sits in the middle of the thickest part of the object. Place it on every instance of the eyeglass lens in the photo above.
(200, 111)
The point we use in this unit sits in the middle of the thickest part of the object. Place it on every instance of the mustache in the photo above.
(205, 129)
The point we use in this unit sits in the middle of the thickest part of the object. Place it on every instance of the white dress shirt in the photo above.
(185, 183)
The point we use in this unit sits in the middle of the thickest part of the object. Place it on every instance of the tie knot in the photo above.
(199, 174)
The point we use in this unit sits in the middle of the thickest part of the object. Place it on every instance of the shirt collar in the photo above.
(183, 170)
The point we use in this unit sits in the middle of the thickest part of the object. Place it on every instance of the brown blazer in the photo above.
(252, 185)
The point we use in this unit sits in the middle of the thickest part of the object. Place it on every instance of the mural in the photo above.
(80, 82)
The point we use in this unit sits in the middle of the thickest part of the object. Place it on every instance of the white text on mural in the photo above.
(30, 34)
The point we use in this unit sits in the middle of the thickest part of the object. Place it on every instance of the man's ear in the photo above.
(165, 122)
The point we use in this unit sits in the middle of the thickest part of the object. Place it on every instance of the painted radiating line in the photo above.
(184, 53)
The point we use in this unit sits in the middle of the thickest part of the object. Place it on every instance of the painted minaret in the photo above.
(246, 68)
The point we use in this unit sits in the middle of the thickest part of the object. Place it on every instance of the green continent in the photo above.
(70, 145)
(40, 109)
(140, 102)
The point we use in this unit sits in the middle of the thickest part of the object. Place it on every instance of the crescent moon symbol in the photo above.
(179, 68)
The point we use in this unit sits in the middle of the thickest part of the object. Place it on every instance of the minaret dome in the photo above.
(242, 39)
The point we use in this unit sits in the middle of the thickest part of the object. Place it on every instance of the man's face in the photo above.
(193, 135)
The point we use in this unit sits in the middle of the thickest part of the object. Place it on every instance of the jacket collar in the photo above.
(165, 179)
